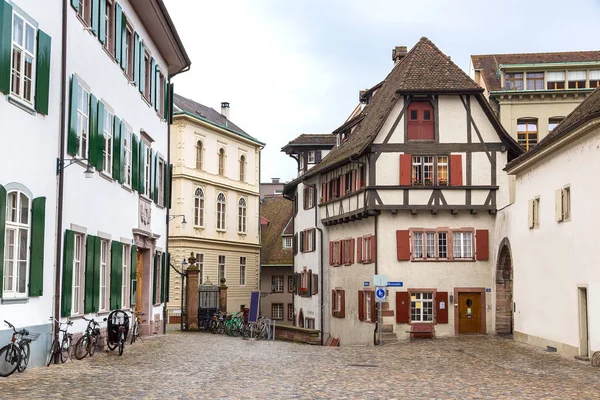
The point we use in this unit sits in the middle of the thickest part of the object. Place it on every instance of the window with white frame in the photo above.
(277, 311)
(421, 307)
(200, 264)
(242, 215)
(108, 141)
(309, 323)
(311, 157)
(555, 80)
(221, 205)
(242, 271)
(158, 278)
(104, 276)
(368, 304)
(242, 168)
(199, 150)
(161, 182)
(430, 245)
(309, 198)
(290, 312)
(23, 59)
(16, 245)
(125, 257)
(77, 292)
(129, 51)
(147, 76)
(310, 240)
(301, 161)
(84, 11)
(367, 254)
(277, 284)
(147, 163)
(199, 207)
(127, 156)
(109, 17)
(288, 242)
(577, 79)
(83, 109)
(221, 269)
(160, 94)
(462, 244)
(222, 161)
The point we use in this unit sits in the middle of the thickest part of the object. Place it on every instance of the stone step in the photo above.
(387, 328)
(389, 337)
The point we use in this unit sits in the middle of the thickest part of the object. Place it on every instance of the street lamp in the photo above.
(183, 223)
(61, 165)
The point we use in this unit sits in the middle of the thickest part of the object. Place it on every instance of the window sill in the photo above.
(15, 300)
(421, 260)
(104, 175)
(127, 188)
(221, 230)
(145, 100)
(102, 313)
(22, 105)
(198, 227)
(112, 57)
(242, 233)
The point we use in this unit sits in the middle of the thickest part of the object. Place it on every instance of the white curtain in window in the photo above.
(555, 76)
(577, 75)
(595, 75)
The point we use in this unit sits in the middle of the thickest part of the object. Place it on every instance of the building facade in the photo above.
(277, 283)
(531, 93)
(411, 191)
(216, 167)
(275, 187)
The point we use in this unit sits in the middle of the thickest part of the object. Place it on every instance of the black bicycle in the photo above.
(88, 343)
(135, 327)
(61, 348)
(116, 330)
(15, 355)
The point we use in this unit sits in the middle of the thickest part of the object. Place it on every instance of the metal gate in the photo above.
(208, 303)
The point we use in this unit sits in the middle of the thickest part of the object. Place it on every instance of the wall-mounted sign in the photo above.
(367, 283)
(488, 290)
(395, 284)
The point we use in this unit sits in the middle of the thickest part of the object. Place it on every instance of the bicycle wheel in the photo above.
(25, 353)
(10, 356)
(65, 349)
(81, 347)
(121, 344)
(93, 344)
(134, 332)
(53, 351)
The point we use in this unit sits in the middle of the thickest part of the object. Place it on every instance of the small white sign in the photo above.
(442, 305)
(380, 280)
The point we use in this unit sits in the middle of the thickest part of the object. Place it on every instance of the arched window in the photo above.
(221, 161)
(16, 246)
(242, 168)
(242, 215)
(527, 132)
(199, 150)
(221, 204)
(420, 121)
(553, 122)
(199, 207)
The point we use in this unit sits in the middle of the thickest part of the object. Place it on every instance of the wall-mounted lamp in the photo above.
(451, 299)
(60, 166)
(183, 223)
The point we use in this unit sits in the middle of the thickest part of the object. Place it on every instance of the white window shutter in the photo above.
(530, 213)
(558, 205)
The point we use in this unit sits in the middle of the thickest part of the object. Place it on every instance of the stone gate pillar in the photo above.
(191, 295)
(223, 296)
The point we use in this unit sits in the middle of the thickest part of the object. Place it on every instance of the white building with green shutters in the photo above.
(83, 223)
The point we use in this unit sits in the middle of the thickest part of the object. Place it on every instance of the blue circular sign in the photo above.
(380, 293)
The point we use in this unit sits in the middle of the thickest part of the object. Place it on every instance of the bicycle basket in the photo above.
(31, 336)
(116, 320)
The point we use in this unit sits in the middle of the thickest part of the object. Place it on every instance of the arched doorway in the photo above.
(504, 290)
(301, 319)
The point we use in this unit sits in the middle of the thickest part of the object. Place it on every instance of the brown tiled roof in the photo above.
(490, 63)
(208, 114)
(424, 69)
(586, 111)
(277, 211)
(312, 139)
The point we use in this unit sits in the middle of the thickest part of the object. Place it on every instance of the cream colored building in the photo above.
(531, 93)
(216, 169)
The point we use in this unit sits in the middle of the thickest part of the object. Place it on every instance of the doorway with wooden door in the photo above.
(470, 316)
(139, 273)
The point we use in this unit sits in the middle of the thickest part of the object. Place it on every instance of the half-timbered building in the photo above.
(411, 191)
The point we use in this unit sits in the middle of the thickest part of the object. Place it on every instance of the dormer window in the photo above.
(420, 121)
(513, 81)
(311, 157)
(535, 81)
(556, 80)
(577, 79)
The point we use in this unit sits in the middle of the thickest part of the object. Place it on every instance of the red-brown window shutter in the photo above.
(481, 244)
(359, 250)
(441, 314)
(323, 191)
(333, 301)
(342, 185)
(373, 314)
(326, 195)
(341, 250)
(403, 245)
(330, 253)
(402, 307)
(456, 170)
(361, 305)
(405, 169)
(353, 180)
(343, 245)
(310, 282)
(373, 248)
(351, 251)
(343, 304)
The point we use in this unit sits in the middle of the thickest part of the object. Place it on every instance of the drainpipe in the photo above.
(293, 255)
(320, 259)
(61, 156)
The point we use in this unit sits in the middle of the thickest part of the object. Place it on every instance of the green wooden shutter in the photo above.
(42, 81)
(151, 177)
(5, 45)
(170, 184)
(123, 27)
(118, 32)
(67, 273)
(135, 161)
(75, 4)
(152, 81)
(116, 273)
(93, 131)
(142, 167)
(165, 99)
(2, 233)
(101, 16)
(164, 282)
(72, 137)
(36, 260)
(142, 68)
(117, 162)
(96, 274)
(136, 59)
(96, 16)
(156, 255)
(167, 183)
(168, 280)
(122, 155)
(88, 302)
(155, 88)
(155, 177)
(171, 94)
(98, 149)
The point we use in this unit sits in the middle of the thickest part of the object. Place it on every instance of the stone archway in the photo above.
(301, 319)
(504, 290)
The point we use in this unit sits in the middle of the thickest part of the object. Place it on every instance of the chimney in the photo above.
(274, 180)
(398, 53)
(225, 109)
(361, 95)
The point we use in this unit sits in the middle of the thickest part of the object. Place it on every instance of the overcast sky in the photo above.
(292, 67)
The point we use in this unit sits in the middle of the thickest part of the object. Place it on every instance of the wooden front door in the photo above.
(469, 313)
(139, 273)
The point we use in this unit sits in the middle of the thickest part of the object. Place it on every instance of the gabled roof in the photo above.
(310, 140)
(588, 109)
(424, 70)
(278, 212)
(490, 63)
(199, 111)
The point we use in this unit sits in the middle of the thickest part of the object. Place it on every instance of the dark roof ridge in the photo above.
(532, 53)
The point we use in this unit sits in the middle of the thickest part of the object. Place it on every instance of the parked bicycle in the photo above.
(61, 347)
(88, 343)
(116, 330)
(135, 328)
(15, 355)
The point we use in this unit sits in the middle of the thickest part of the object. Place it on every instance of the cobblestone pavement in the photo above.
(205, 366)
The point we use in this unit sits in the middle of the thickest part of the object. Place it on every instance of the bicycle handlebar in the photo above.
(23, 332)
(68, 323)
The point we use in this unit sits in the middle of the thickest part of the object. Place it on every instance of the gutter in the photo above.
(167, 17)
(320, 261)
(61, 180)
(243, 136)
